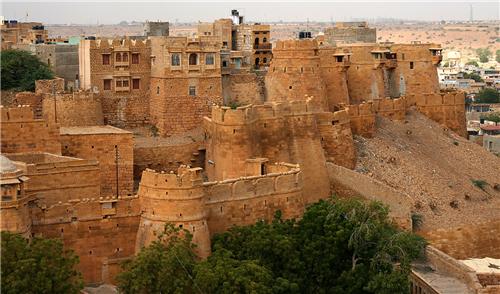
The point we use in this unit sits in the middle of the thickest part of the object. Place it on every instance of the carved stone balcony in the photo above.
(263, 46)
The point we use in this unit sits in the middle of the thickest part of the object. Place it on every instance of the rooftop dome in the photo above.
(6, 165)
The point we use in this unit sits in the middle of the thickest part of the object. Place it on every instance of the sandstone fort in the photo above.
(225, 127)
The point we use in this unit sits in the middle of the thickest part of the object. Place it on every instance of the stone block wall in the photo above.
(362, 116)
(468, 241)
(174, 111)
(336, 137)
(21, 132)
(73, 109)
(167, 157)
(55, 179)
(205, 208)
(111, 147)
(102, 237)
(243, 88)
(49, 86)
(29, 98)
(446, 108)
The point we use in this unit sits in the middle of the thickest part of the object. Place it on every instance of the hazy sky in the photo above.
(114, 12)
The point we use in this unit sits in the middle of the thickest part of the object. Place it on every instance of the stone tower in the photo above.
(173, 198)
(294, 73)
(333, 68)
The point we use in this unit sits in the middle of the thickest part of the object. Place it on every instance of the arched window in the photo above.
(264, 40)
(125, 57)
(256, 42)
(264, 60)
(257, 61)
(193, 59)
(118, 57)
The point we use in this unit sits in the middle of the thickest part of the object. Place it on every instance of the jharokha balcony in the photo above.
(263, 46)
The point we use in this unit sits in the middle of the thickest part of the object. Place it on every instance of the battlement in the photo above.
(17, 114)
(185, 178)
(456, 98)
(270, 110)
(294, 44)
(362, 116)
(119, 43)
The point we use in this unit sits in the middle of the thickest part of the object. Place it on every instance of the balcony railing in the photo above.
(263, 46)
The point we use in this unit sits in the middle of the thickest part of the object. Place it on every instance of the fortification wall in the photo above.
(278, 131)
(246, 200)
(349, 183)
(333, 70)
(73, 109)
(294, 73)
(173, 112)
(362, 116)
(175, 198)
(365, 78)
(243, 88)
(336, 137)
(55, 179)
(102, 233)
(446, 108)
(20, 132)
(167, 157)
(416, 71)
(468, 241)
(106, 145)
(15, 216)
(212, 207)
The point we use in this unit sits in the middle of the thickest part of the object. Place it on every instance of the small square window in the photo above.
(136, 84)
(107, 85)
(175, 59)
(105, 59)
(118, 84)
(192, 91)
(135, 58)
(210, 59)
(125, 83)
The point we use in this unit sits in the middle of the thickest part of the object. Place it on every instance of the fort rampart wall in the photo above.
(101, 231)
(205, 208)
(73, 109)
(21, 132)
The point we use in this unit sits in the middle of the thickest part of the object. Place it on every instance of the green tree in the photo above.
(474, 76)
(37, 266)
(484, 54)
(20, 70)
(340, 246)
(221, 273)
(487, 95)
(494, 117)
(165, 266)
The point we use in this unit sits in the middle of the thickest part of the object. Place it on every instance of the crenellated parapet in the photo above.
(119, 43)
(205, 208)
(446, 108)
(363, 115)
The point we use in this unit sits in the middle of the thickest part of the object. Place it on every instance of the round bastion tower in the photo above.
(294, 73)
(173, 198)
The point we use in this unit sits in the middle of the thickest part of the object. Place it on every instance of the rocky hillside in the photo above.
(451, 181)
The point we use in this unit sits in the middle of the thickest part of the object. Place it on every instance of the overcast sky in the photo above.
(114, 12)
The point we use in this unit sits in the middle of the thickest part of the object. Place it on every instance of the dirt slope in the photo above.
(436, 168)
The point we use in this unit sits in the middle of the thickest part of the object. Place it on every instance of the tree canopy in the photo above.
(37, 266)
(487, 95)
(474, 76)
(20, 70)
(484, 54)
(338, 246)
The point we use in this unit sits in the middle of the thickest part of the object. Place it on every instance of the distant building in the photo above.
(350, 32)
(156, 28)
(14, 32)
